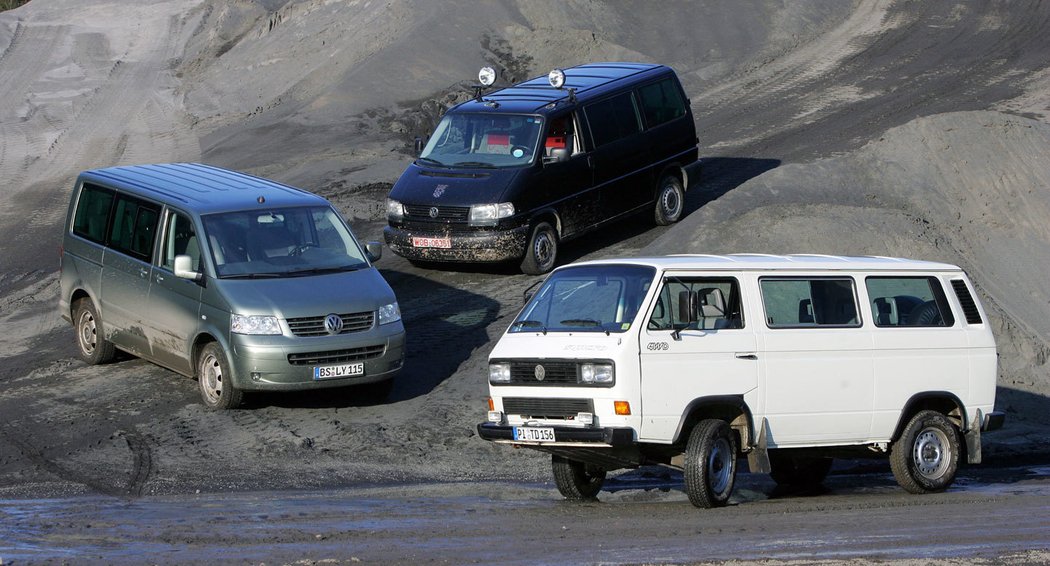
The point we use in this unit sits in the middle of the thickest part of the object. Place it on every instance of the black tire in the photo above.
(92, 345)
(710, 464)
(798, 471)
(576, 481)
(215, 380)
(670, 200)
(541, 251)
(926, 456)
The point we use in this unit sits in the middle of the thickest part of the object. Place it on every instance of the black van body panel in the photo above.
(618, 151)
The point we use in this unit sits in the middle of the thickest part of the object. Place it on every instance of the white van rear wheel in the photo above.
(926, 456)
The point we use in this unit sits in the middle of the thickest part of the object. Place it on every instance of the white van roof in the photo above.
(771, 262)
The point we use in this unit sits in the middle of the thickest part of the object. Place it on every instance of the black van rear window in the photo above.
(661, 102)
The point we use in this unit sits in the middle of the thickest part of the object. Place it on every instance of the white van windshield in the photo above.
(596, 298)
(281, 242)
(483, 140)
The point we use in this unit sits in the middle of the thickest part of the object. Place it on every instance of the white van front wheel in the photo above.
(575, 480)
(710, 464)
(215, 379)
(926, 456)
(670, 200)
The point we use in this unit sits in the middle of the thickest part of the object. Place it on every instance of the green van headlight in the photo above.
(254, 324)
(389, 313)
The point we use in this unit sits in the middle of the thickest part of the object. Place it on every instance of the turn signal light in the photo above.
(492, 406)
(623, 408)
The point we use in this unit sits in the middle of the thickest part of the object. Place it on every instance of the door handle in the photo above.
(143, 272)
(747, 355)
(160, 278)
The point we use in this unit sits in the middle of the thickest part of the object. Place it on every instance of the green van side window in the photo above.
(134, 228)
(92, 213)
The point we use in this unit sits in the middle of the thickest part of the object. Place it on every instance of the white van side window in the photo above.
(908, 301)
(793, 302)
(703, 303)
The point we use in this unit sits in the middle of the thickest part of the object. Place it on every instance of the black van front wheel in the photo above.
(542, 250)
(670, 200)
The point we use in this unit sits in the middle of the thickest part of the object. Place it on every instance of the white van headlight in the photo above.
(394, 209)
(499, 373)
(489, 214)
(389, 313)
(254, 324)
(596, 373)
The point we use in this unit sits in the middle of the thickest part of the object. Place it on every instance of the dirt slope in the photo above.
(844, 127)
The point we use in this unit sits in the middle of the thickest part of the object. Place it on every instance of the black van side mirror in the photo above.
(558, 155)
(374, 251)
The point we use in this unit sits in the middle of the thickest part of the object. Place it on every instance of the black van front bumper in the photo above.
(476, 246)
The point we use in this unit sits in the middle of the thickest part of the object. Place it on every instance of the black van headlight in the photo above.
(489, 214)
(394, 209)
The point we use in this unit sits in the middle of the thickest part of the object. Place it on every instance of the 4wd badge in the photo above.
(439, 190)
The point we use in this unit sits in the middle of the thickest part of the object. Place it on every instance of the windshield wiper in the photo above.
(252, 276)
(431, 161)
(320, 270)
(480, 164)
(530, 324)
(581, 322)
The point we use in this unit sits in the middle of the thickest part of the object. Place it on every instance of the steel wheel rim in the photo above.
(211, 378)
(670, 202)
(88, 333)
(543, 249)
(719, 466)
(930, 453)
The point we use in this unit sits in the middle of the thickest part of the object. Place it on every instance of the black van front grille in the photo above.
(546, 408)
(337, 356)
(314, 325)
(437, 214)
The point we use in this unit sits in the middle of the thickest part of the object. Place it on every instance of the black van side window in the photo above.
(92, 214)
(661, 102)
(809, 302)
(134, 226)
(908, 301)
(613, 119)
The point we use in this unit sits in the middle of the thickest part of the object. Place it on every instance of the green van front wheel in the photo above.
(215, 379)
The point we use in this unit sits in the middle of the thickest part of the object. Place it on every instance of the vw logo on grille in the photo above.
(539, 372)
(433, 212)
(333, 323)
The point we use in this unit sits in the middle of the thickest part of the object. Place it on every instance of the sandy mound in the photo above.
(970, 188)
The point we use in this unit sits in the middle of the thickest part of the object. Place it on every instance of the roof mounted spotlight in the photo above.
(556, 78)
(486, 76)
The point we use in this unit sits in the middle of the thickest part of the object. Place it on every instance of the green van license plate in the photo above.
(333, 372)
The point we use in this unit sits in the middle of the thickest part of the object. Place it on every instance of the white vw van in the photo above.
(692, 361)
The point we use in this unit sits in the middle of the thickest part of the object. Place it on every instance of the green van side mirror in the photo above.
(184, 268)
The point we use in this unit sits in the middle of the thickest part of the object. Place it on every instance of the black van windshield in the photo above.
(483, 140)
(593, 298)
(281, 242)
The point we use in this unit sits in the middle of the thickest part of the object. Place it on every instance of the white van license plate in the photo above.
(444, 243)
(532, 434)
(347, 370)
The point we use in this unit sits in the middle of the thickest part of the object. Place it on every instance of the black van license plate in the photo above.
(332, 372)
(444, 243)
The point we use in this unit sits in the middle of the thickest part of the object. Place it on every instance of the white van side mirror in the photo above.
(184, 268)
(374, 251)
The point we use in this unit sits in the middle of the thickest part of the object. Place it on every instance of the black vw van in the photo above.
(512, 173)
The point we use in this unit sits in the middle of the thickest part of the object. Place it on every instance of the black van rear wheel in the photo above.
(670, 200)
(542, 250)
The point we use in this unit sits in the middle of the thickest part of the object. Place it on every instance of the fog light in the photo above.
(623, 408)
(585, 418)
(495, 417)
(256, 376)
